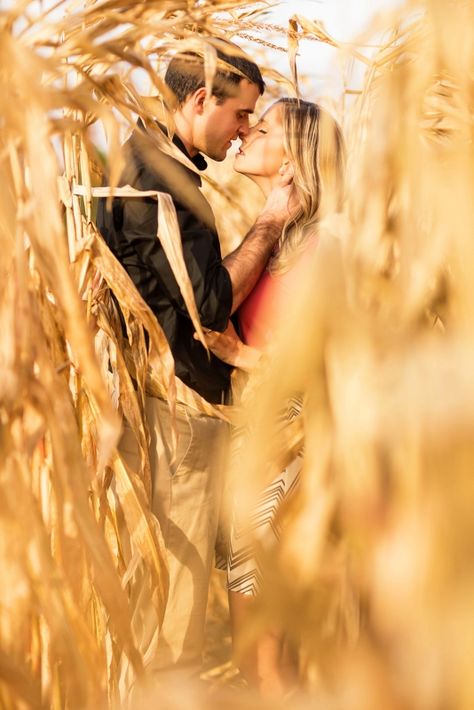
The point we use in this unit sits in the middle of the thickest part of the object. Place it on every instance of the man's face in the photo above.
(221, 123)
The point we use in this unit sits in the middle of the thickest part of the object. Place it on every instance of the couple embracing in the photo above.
(294, 153)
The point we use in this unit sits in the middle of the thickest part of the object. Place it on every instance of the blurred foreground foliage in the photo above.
(373, 578)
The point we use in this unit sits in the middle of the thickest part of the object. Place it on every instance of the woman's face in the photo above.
(261, 153)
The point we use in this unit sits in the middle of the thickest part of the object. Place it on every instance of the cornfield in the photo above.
(372, 579)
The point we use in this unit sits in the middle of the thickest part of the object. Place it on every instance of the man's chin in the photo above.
(218, 157)
(217, 154)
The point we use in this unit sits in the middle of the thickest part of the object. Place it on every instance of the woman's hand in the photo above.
(229, 348)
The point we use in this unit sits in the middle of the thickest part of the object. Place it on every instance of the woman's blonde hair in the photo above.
(314, 145)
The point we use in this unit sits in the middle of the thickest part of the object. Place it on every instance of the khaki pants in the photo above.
(186, 499)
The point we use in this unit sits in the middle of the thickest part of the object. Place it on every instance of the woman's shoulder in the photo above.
(334, 228)
(335, 225)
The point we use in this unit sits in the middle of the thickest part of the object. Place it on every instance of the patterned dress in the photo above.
(260, 531)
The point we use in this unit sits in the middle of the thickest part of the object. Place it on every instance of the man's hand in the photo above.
(229, 348)
(226, 346)
(247, 262)
(282, 204)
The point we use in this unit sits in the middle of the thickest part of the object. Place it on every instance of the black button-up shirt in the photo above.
(130, 231)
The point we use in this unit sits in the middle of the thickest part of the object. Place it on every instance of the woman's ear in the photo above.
(286, 171)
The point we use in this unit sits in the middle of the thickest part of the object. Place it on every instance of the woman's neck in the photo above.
(266, 184)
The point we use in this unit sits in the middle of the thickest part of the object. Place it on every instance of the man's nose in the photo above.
(244, 128)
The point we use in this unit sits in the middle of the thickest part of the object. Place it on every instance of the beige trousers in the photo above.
(186, 499)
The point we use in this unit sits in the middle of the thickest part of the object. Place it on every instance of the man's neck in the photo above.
(184, 132)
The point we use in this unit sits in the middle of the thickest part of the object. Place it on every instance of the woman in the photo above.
(300, 141)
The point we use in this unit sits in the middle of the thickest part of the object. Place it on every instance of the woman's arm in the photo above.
(228, 347)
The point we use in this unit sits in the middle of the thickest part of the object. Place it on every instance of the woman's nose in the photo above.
(247, 137)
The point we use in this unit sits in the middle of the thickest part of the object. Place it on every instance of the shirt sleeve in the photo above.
(209, 278)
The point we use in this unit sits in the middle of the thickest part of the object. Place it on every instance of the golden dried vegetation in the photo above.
(373, 577)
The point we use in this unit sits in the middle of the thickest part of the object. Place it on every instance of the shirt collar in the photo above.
(198, 160)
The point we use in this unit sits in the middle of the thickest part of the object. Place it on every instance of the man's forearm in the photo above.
(247, 262)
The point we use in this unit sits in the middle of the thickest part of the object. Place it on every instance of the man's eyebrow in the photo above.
(245, 110)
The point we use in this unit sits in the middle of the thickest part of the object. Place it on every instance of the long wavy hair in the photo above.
(314, 145)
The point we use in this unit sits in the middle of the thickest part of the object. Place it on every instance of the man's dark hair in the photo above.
(185, 74)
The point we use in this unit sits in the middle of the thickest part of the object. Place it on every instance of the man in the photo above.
(187, 488)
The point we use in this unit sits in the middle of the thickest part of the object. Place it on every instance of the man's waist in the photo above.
(210, 379)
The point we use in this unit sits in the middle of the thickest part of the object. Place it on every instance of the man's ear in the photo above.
(198, 100)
